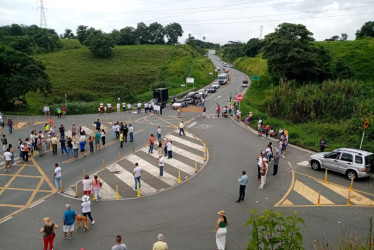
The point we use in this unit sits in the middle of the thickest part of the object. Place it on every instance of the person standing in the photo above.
(118, 107)
(161, 163)
(137, 174)
(73, 131)
(124, 106)
(118, 128)
(101, 107)
(139, 107)
(218, 108)
(129, 107)
(4, 141)
(8, 160)
(87, 185)
(57, 177)
(70, 147)
(82, 145)
(259, 164)
(181, 128)
(97, 139)
(54, 142)
(96, 184)
(109, 107)
(160, 244)
(98, 124)
(91, 142)
(243, 180)
(125, 132)
(221, 230)
(151, 144)
(11, 150)
(68, 222)
(10, 125)
(264, 172)
(102, 134)
(160, 148)
(131, 132)
(63, 146)
(121, 140)
(75, 148)
(158, 133)
(119, 245)
(276, 162)
(169, 147)
(62, 131)
(86, 208)
(63, 111)
(48, 231)
(322, 144)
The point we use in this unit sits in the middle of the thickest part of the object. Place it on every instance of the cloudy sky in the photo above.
(217, 20)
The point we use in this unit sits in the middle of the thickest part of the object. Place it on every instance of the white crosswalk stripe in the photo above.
(185, 142)
(128, 178)
(187, 154)
(153, 170)
(303, 163)
(175, 163)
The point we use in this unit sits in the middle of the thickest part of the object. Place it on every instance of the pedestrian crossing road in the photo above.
(307, 191)
(189, 154)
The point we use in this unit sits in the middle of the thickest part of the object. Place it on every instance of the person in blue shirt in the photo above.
(243, 183)
(82, 145)
(69, 218)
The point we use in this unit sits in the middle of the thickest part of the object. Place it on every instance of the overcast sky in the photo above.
(217, 20)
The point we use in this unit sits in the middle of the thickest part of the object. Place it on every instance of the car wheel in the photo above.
(315, 165)
(351, 174)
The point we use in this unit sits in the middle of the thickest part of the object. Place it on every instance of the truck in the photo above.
(162, 96)
(223, 78)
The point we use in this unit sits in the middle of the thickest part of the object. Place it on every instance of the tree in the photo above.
(291, 54)
(142, 33)
(47, 39)
(252, 47)
(24, 44)
(366, 30)
(343, 70)
(20, 74)
(82, 33)
(343, 37)
(172, 32)
(156, 33)
(68, 34)
(128, 36)
(191, 40)
(99, 43)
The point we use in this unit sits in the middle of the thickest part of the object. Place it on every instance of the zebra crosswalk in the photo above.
(188, 153)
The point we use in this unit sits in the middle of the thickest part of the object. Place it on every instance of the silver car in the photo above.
(354, 163)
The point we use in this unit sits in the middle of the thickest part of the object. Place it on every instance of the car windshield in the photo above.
(333, 155)
(221, 77)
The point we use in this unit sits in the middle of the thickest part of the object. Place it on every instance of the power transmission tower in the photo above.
(43, 20)
(261, 29)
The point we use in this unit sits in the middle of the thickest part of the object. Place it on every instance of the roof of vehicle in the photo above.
(245, 81)
(354, 151)
(215, 83)
(211, 87)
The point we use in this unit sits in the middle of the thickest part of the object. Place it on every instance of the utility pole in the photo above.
(43, 20)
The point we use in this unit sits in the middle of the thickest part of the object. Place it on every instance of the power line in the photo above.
(43, 20)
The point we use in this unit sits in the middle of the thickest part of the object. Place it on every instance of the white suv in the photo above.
(354, 163)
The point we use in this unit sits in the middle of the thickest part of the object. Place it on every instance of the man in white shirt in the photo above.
(145, 107)
(158, 133)
(129, 107)
(137, 174)
(139, 107)
(118, 128)
(118, 107)
(181, 128)
(8, 160)
(259, 164)
(57, 177)
(161, 164)
(131, 132)
(169, 147)
(124, 106)
(109, 107)
(101, 107)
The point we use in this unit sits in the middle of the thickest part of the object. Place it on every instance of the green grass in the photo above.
(85, 78)
(358, 54)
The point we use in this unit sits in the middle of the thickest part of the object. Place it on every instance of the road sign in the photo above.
(183, 85)
(255, 78)
(366, 124)
(190, 80)
(239, 98)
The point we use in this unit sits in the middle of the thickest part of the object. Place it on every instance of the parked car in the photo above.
(353, 163)
(212, 89)
(179, 103)
(216, 85)
(231, 66)
(218, 68)
(245, 83)
(203, 91)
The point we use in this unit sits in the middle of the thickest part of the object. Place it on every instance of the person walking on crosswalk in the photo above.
(131, 132)
(54, 142)
(57, 177)
(169, 147)
(137, 174)
(181, 128)
(97, 139)
(151, 144)
(161, 164)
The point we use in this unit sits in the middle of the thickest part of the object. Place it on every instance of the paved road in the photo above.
(187, 213)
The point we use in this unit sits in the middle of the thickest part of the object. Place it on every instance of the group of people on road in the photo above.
(148, 107)
(122, 132)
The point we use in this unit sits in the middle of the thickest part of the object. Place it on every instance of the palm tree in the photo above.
(69, 34)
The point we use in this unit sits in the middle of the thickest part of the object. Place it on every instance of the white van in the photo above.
(223, 78)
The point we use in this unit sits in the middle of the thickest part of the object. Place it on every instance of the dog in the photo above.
(82, 219)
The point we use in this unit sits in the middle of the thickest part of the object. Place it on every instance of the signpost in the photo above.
(190, 80)
(239, 98)
(255, 78)
(366, 125)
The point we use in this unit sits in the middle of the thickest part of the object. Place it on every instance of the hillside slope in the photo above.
(82, 77)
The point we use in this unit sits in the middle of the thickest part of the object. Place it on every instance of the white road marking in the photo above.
(127, 177)
(189, 155)
(304, 163)
(192, 124)
(283, 156)
(217, 97)
(175, 163)
(6, 219)
(289, 163)
(36, 204)
(185, 142)
(152, 169)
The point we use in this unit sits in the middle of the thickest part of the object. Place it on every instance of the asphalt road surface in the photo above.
(185, 213)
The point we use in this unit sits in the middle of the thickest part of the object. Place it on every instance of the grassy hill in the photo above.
(359, 54)
(86, 78)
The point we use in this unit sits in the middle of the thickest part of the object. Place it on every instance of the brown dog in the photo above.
(82, 219)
